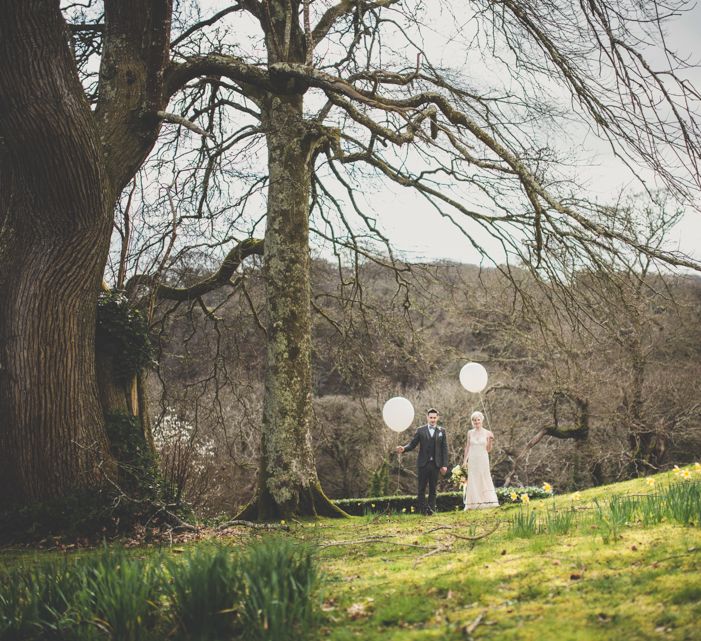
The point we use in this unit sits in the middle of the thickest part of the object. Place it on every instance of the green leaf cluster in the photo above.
(122, 333)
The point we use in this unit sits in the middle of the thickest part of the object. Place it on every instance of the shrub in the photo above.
(445, 501)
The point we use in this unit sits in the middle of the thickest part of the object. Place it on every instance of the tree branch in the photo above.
(230, 264)
(178, 74)
(181, 120)
(343, 8)
(206, 23)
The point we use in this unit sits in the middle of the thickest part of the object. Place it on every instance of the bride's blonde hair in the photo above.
(475, 414)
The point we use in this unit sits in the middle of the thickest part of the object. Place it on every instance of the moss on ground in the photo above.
(643, 584)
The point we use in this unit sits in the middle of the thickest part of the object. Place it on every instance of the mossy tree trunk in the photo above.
(288, 482)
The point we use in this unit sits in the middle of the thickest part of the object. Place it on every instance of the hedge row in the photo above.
(445, 501)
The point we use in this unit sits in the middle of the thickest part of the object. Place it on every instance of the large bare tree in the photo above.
(338, 92)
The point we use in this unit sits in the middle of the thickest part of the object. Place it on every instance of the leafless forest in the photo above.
(589, 385)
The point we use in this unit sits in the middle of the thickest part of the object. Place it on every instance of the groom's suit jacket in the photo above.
(422, 438)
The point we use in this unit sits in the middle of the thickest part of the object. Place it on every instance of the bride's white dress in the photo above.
(479, 491)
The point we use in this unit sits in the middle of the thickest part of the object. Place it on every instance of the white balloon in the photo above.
(473, 377)
(398, 413)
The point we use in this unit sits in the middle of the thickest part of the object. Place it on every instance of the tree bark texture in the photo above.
(62, 169)
(55, 224)
(288, 481)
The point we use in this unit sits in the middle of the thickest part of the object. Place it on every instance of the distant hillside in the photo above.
(591, 381)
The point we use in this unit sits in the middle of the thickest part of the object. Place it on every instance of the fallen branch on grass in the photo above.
(254, 525)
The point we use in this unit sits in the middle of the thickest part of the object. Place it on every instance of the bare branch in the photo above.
(222, 277)
(184, 122)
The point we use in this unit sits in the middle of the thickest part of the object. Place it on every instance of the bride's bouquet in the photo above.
(458, 475)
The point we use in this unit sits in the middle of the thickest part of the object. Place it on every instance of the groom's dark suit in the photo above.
(433, 455)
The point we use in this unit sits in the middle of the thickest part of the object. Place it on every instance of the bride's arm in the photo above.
(490, 442)
(467, 449)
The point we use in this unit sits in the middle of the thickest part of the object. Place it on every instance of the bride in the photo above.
(479, 491)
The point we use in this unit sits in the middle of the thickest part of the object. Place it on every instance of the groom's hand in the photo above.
(444, 470)
(400, 449)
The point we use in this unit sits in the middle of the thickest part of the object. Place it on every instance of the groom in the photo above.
(433, 456)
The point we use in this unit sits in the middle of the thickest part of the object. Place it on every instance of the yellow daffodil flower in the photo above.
(548, 488)
(525, 498)
(650, 481)
(685, 474)
(513, 496)
(676, 471)
(576, 496)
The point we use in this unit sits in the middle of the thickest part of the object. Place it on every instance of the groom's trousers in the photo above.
(428, 475)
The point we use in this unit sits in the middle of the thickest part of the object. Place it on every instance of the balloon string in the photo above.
(399, 465)
(484, 409)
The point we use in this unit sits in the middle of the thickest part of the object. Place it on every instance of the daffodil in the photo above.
(676, 471)
(548, 488)
(403, 510)
(513, 496)
(525, 498)
(697, 467)
(412, 509)
(576, 496)
(650, 481)
(686, 474)
(282, 521)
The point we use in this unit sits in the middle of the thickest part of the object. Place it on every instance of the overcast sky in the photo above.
(419, 233)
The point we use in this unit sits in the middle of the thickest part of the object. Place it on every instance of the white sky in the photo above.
(419, 233)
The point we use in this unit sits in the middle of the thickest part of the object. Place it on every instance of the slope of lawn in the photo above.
(604, 577)
(611, 563)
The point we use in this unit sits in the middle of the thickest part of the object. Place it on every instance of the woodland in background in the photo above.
(596, 386)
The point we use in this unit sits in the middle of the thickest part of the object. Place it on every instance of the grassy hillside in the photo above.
(412, 577)
(614, 562)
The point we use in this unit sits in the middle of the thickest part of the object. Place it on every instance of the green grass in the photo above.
(616, 562)
(545, 574)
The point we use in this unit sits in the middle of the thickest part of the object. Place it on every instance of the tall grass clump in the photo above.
(607, 521)
(205, 592)
(653, 509)
(37, 601)
(281, 582)
(121, 595)
(524, 523)
(683, 502)
(110, 596)
(558, 521)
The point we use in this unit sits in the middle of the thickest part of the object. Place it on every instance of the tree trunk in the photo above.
(288, 482)
(55, 225)
(62, 168)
